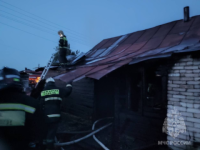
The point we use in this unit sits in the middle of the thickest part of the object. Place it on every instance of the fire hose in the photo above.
(99, 142)
(85, 137)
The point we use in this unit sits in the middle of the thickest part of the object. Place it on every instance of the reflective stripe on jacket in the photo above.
(15, 107)
(53, 115)
(53, 98)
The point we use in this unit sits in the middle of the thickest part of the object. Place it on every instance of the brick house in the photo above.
(183, 94)
(139, 79)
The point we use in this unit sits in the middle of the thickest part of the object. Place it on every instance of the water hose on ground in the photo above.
(99, 142)
(80, 139)
(58, 142)
(75, 132)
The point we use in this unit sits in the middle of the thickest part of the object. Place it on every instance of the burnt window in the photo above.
(155, 95)
(153, 90)
(134, 89)
(147, 90)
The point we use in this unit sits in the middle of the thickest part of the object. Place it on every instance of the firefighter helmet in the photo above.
(50, 80)
(60, 32)
(10, 78)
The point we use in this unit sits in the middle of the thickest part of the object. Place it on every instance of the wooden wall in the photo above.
(104, 98)
(134, 128)
(81, 100)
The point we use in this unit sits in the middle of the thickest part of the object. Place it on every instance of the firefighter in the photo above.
(40, 123)
(63, 48)
(35, 93)
(52, 97)
(17, 111)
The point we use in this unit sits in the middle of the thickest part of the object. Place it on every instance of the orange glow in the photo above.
(34, 80)
(37, 79)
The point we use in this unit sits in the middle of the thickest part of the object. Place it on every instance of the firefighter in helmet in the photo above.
(63, 47)
(17, 111)
(52, 97)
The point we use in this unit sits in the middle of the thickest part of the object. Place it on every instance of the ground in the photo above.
(71, 124)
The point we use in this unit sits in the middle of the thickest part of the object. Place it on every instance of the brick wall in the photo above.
(184, 95)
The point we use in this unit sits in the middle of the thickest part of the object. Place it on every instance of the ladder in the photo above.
(46, 69)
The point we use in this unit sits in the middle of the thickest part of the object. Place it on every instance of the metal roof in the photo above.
(157, 42)
(81, 55)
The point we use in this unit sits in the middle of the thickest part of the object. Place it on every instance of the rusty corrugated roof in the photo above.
(157, 42)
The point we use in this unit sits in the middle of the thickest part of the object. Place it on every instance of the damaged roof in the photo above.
(157, 42)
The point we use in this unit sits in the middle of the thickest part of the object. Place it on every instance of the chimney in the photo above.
(186, 14)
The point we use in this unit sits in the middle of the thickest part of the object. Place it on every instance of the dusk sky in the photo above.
(28, 28)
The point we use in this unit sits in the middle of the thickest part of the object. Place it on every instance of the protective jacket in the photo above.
(17, 117)
(15, 108)
(63, 49)
(63, 42)
(52, 97)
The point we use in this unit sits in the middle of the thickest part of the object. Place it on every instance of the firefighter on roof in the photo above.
(17, 111)
(63, 48)
(52, 97)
